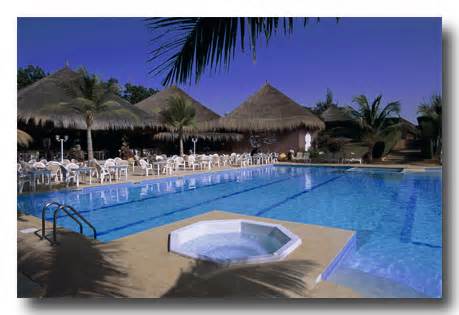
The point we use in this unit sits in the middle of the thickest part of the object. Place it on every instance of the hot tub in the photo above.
(234, 241)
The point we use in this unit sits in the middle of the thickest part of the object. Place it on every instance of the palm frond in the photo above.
(375, 107)
(107, 106)
(372, 118)
(388, 110)
(425, 109)
(187, 46)
(431, 108)
(179, 114)
(82, 104)
(390, 129)
(23, 138)
(364, 108)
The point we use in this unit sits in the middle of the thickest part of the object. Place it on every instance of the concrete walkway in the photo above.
(140, 265)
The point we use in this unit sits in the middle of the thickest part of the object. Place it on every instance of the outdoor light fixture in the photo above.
(194, 145)
(62, 140)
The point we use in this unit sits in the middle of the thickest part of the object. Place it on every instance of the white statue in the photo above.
(307, 141)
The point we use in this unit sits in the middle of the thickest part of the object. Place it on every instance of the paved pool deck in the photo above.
(134, 178)
(413, 167)
(141, 266)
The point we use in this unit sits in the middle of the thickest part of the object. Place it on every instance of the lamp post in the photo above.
(62, 140)
(194, 145)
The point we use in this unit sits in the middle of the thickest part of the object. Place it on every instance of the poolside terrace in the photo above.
(133, 176)
(140, 265)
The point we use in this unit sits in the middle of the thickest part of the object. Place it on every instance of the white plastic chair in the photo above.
(108, 165)
(122, 171)
(39, 165)
(224, 160)
(55, 169)
(169, 166)
(179, 163)
(145, 167)
(192, 163)
(215, 160)
(101, 172)
(71, 174)
(205, 161)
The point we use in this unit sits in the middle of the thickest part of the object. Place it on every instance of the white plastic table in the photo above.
(85, 171)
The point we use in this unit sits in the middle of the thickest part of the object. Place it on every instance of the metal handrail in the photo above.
(64, 207)
(61, 207)
(43, 212)
(71, 212)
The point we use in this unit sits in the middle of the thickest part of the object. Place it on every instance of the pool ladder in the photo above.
(71, 212)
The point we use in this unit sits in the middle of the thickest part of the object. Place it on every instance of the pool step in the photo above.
(371, 286)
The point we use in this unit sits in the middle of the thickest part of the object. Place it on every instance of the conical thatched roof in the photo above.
(405, 125)
(269, 109)
(336, 114)
(159, 101)
(48, 100)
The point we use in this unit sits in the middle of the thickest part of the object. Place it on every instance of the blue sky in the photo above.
(397, 57)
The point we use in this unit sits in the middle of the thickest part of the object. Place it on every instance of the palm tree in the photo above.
(431, 111)
(373, 119)
(188, 45)
(23, 138)
(321, 106)
(179, 116)
(92, 98)
(77, 100)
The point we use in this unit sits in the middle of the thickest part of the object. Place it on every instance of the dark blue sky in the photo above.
(398, 57)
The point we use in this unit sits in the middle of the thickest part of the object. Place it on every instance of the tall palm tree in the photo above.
(187, 46)
(179, 116)
(92, 98)
(373, 119)
(321, 106)
(431, 111)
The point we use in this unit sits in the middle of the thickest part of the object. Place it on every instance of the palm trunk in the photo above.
(370, 153)
(181, 142)
(89, 141)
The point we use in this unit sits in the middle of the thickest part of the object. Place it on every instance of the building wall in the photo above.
(287, 140)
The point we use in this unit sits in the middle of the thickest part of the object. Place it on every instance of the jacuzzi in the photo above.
(233, 241)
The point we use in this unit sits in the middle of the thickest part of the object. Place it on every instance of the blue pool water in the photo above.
(375, 170)
(232, 246)
(397, 216)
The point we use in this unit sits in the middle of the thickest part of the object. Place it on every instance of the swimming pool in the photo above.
(397, 216)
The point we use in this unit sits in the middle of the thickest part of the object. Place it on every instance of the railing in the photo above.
(71, 212)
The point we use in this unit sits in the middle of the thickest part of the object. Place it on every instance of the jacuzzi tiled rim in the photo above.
(180, 236)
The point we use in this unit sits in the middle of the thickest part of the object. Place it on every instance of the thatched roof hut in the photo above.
(159, 101)
(269, 110)
(48, 100)
(336, 114)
